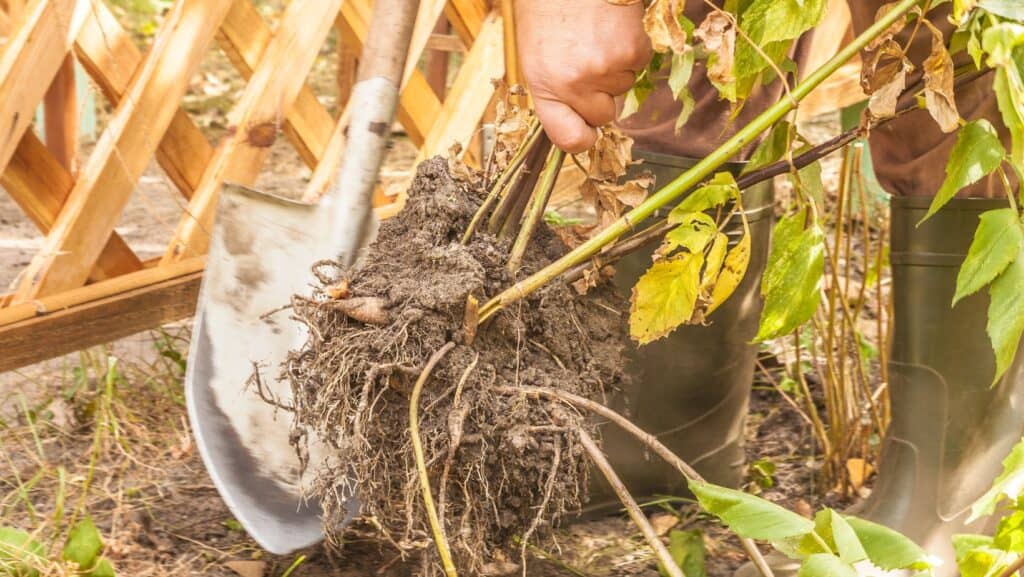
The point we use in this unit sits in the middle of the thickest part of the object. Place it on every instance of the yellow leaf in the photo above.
(733, 270)
(665, 297)
(714, 262)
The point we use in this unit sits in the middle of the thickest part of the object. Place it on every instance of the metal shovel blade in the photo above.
(260, 252)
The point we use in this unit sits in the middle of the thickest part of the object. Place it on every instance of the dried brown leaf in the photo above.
(938, 83)
(718, 34)
(574, 235)
(611, 154)
(884, 78)
(661, 22)
(458, 169)
(890, 32)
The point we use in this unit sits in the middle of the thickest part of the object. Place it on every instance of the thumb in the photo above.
(564, 126)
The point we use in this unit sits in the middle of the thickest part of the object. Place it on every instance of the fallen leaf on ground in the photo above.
(247, 568)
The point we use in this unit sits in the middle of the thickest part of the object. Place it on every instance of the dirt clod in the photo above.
(501, 466)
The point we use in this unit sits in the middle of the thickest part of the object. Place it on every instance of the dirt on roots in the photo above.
(504, 467)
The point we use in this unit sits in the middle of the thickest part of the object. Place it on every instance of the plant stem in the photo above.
(644, 438)
(503, 180)
(637, 515)
(1013, 569)
(517, 182)
(421, 463)
(527, 184)
(700, 171)
(540, 201)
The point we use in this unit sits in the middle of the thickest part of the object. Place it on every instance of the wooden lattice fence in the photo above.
(86, 285)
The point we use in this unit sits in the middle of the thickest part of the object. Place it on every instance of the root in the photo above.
(637, 515)
(556, 461)
(443, 550)
(648, 440)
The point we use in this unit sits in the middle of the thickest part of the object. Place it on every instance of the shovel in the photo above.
(261, 251)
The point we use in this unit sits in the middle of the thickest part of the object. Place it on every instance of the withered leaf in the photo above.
(938, 83)
(894, 29)
(661, 22)
(718, 35)
(610, 155)
(884, 77)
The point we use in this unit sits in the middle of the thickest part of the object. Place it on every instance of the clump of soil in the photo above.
(504, 466)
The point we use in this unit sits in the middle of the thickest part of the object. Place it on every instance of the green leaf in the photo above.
(694, 232)
(977, 153)
(682, 70)
(718, 191)
(84, 544)
(642, 88)
(772, 148)
(771, 25)
(976, 556)
(1002, 43)
(687, 550)
(888, 549)
(809, 182)
(678, 82)
(103, 568)
(749, 516)
(826, 565)
(1006, 312)
(1011, 9)
(839, 535)
(665, 297)
(1010, 533)
(792, 281)
(1009, 484)
(996, 244)
(20, 554)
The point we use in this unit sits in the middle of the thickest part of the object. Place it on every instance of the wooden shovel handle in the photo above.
(387, 41)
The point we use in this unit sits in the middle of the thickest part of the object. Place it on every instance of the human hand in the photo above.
(577, 56)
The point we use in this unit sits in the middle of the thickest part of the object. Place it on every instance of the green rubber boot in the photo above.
(691, 388)
(950, 428)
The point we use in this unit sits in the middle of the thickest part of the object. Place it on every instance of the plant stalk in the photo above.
(517, 183)
(541, 196)
(700, 171)
(647, 440)
(635, 513)
(443, 550)
(503, 179)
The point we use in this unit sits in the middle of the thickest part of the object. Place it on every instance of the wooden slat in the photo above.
(60, 110)
(418, 106)
(40, 185)
(273, 88)
(427, 19)
(123, 151)
(444, 43)
(79, 319)
(471, 91)
(467, 18)
(348, 65)
(244, 37)
(109, 55)
(29, 62)
(512, 74)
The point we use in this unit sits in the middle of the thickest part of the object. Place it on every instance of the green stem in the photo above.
(540, 202)
(503, 180)
(699, 172)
